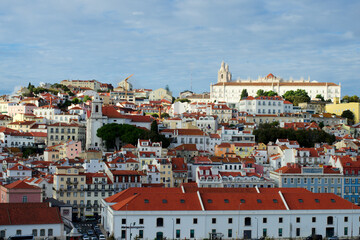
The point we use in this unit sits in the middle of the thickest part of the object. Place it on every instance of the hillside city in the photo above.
(265, 158)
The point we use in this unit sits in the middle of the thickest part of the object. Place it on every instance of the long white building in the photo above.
(226, 90)
(198, 213)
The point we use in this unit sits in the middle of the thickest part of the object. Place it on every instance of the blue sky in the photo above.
(171, 42)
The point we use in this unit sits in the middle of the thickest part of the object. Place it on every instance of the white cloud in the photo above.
(163, 42)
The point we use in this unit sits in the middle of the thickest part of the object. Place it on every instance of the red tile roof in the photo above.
(20, 184)
(28, 213)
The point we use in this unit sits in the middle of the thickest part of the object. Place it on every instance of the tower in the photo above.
(93, 123)
(224, 74)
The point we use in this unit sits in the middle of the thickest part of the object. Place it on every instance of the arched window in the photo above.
(159, 222)
(97, 108)
(330, 220)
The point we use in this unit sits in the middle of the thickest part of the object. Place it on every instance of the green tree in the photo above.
(167, 88)
(75, 101)
(320, 97)
(126, 133)
(86, 98)
(155, 115)
(154, 127)
(182, 100)
(244, 94)
(297, 96)
(260, 93)
(321, 125)
(165, 115)
(271, 93)
(349, 115)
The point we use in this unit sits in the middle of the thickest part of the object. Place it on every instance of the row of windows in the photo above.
(247, 220)
(62, 130)
(312, 180)
(61, 137)
(34, 232)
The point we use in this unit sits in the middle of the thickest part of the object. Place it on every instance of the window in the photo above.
(264, 232)
(18, 232)
(50, 232)
(213, 220)
(42, 232)
(159, 222)
(177, 233)
(34, 232)
(141, 233)
(280, 219)
(247, 221)
(345, 231)
(178, 221)
(24, 199)
(123, 233)
(264, 220)
(297, 232)
(313, 219)
(230, 220)
(192, 233)
(141, 221)
(195, 221)
(346, 219)
(230, 233)
(330, 220)
(297, 219)
(280, 232)
(2, 233)
(123, 221)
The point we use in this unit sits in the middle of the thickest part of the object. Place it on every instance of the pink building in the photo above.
(20, 192)
(22, 108)
(72, 149)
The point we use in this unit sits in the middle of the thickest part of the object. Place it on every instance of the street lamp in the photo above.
(133, 224)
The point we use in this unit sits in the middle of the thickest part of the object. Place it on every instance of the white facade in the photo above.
(237, 214)
(265, 105)
(230, 91)
(94, 165)
(55, 230)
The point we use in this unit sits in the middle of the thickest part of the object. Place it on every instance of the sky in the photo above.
(178, 43)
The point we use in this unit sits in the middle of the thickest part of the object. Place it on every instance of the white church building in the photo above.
(226, 90)
(101, 115)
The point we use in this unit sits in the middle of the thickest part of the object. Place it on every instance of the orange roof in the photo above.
(20, 184)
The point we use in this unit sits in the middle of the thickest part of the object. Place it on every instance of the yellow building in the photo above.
(243, 149)
(338, 108)
(166, 174)
(69, 187)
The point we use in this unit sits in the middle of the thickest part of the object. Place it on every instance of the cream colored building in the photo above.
(160, 94)
(338, 108)
(92, 84)
(69, 187)
(230, 91)
(62, 132)
(166, 174)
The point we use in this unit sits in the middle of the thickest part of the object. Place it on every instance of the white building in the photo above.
(188, 136)
(265, 105)
(230, 91)
(36, 219)
(196, 213)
